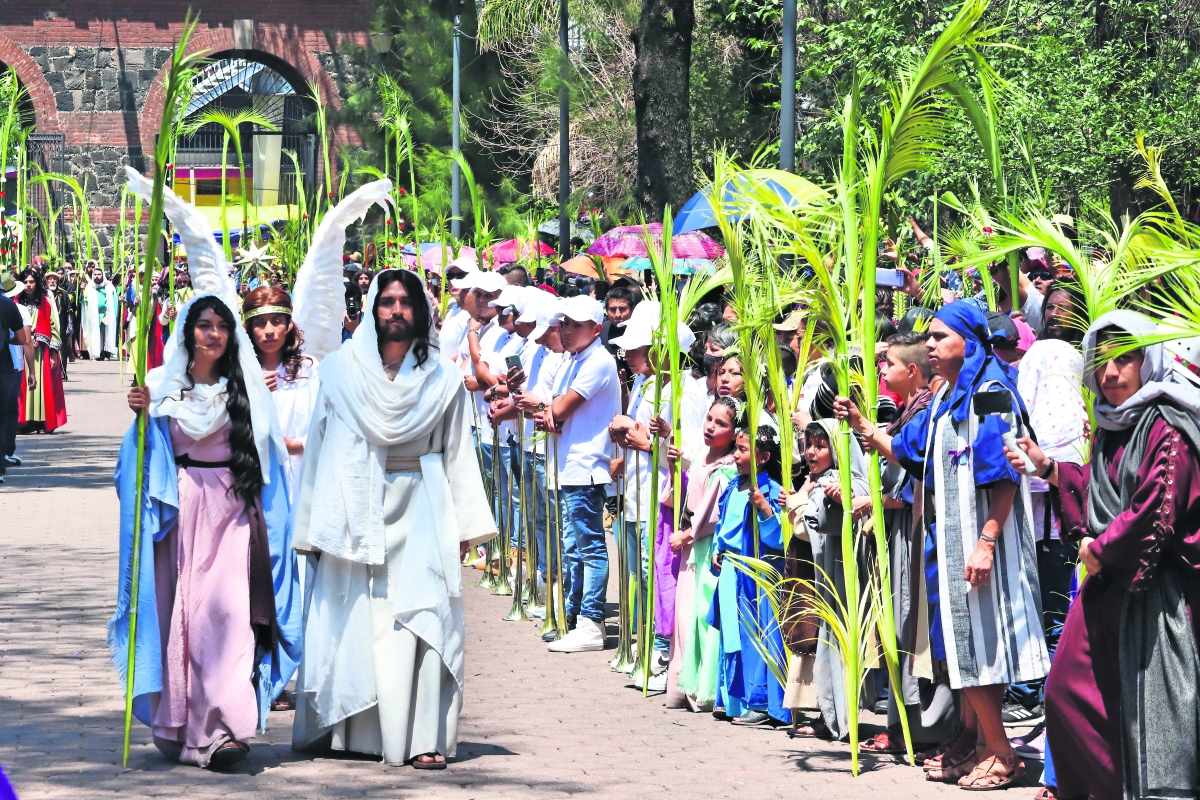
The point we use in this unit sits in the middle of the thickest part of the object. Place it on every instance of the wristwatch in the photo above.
(541, 407)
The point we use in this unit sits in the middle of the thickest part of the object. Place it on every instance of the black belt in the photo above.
(187, 461)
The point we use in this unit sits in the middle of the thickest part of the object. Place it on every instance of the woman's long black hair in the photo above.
(422, 319)
(243, 454)
(39, 292)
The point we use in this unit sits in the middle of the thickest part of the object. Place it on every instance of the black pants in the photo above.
(11, 381)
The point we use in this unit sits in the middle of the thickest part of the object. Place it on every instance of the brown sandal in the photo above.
(434, 764)
(984, 770)
(954, 771)
(883, 743)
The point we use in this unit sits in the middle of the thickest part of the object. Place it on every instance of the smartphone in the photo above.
(889, 277)
(994, 402)
(512, 362)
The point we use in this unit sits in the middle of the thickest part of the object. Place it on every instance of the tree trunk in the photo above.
(662, 100)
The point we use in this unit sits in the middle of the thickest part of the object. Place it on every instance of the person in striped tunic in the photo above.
(986, 615)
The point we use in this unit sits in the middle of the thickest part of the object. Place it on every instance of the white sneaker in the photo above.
(588, 635)
(661, 662)
(657, 683)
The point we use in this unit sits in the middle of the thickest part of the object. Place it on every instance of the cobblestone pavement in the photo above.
(534, 724)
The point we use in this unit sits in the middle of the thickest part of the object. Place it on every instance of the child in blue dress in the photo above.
(753, 663)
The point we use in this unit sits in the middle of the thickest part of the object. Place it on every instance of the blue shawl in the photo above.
(160, 507)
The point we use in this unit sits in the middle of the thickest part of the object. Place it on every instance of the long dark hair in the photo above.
(35, 299)
(243, 455)
(293, 344)
(422, 319)
(766, 440)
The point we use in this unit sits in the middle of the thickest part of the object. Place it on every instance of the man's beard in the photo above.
(395, 331)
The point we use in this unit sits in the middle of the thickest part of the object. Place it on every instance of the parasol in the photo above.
(629, 241)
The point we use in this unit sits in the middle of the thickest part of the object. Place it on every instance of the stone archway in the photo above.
(41, 96)
(266, 44)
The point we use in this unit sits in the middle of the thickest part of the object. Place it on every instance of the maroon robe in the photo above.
(1160, 529)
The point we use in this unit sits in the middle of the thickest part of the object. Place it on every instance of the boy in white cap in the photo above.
(587, 396)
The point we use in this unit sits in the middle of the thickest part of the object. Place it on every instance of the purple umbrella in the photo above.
(629, 242)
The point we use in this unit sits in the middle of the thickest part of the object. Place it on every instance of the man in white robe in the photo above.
(100, 317)
(390, 498)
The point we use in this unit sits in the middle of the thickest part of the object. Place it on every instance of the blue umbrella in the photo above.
(698, 212)
(679, 266)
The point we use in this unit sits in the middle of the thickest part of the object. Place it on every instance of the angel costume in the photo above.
(218, 599)
(100, 319)
(390, 488)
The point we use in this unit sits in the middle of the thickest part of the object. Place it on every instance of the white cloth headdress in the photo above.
(368, 414)
(210, 276)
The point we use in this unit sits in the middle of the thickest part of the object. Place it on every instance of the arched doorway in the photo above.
(35, 153)
(279, 163)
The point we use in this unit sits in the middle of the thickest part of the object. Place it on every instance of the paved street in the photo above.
(534, 724)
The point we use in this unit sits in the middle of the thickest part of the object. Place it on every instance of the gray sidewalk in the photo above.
(534, 724)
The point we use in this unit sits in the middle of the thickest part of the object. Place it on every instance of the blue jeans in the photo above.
(509, 496)
(535, 465)
(661, 643)
(585, 551)
(11, 383)
(1056, 565)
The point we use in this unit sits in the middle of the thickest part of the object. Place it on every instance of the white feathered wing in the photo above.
(207, 266)
(319, 297)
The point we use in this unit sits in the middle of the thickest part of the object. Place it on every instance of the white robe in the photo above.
(377, 678)
(295, 402)
(91, 321)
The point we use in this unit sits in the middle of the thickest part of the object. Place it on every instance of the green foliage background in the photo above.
(1084, 77)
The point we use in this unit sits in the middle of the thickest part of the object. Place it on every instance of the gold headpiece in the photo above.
(266, 310)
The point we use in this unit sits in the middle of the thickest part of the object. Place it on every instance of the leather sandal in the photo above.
(434, 764)
(984, 771)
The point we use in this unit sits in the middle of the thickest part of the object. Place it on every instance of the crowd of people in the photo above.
(524, 428)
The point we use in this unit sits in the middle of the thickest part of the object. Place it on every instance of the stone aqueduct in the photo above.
(95, 69)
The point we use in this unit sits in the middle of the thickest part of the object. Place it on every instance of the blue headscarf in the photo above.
(980, 365)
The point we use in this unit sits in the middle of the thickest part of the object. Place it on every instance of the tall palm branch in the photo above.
(230, 125)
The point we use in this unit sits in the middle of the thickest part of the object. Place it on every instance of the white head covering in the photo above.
(368, 414)
(201, 411)
(1160, 381)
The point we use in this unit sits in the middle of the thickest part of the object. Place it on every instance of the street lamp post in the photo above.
(787, 94)
(564, 139)
(455, 143)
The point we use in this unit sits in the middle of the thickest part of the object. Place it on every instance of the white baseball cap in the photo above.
(582, 308)
(487, 281)
(639, 331)
(549, 315)
(510, 296)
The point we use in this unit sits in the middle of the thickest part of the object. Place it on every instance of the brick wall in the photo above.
(95, 70)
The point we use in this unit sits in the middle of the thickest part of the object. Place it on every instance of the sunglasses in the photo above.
(1041, 275)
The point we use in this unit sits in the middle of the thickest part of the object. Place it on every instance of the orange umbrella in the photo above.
(586, 266)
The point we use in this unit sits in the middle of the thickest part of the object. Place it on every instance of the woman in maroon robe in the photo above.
(1123, 687)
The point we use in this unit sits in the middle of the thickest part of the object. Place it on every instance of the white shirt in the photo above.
(584, 449)
(509, 345)
(18, 351)
(487, 341)
(454, 331)
(540, 367)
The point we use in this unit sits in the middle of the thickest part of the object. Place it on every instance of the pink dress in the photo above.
(203, 591)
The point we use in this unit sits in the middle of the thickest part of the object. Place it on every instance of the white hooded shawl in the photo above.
(360, 414)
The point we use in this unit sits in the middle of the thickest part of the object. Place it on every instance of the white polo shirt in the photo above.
(584, 449)
(488, 334)
(541, 367)
(454, 331)
(507, 345)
